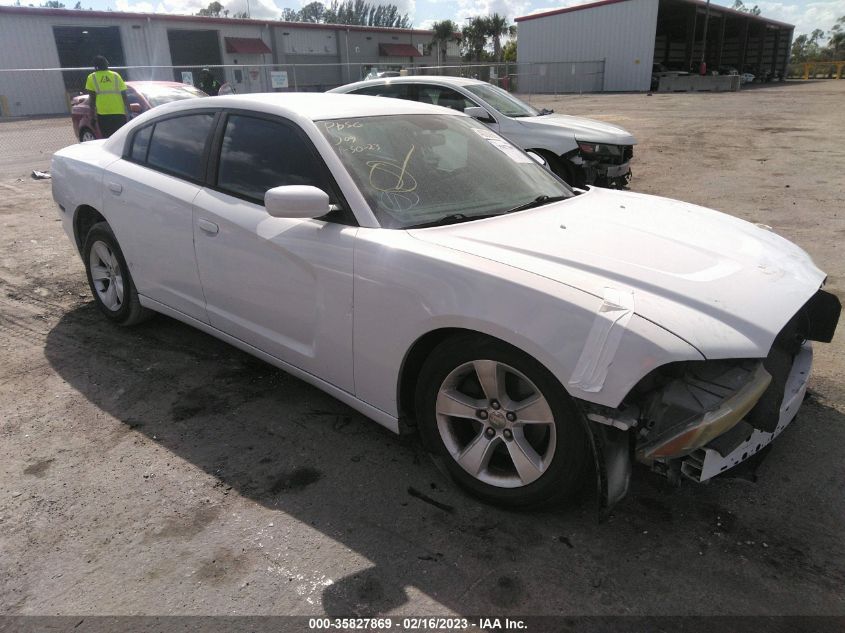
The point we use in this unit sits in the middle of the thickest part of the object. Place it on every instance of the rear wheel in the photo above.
(500, 423)
(86, 134)
(109, 278)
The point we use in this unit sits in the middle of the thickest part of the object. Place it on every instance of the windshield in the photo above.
(159, 95)
(502, 100)
(423, 169)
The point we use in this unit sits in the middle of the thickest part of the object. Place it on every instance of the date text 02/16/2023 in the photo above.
(416, 624)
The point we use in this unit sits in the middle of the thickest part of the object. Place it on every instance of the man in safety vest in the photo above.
(208, 83)
(106, 97)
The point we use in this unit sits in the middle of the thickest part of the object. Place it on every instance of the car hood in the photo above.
(722, 284)
(584, 129)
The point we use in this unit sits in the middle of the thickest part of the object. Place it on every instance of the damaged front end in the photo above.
(697, 419)
(603, 164)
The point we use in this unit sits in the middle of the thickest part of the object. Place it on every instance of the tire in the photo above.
(567, 171)
(484, 443)
(86, 134)
(109, 279)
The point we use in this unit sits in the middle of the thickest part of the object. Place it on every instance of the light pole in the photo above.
(703, 67)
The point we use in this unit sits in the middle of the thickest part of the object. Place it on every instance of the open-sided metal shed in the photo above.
(632, 35)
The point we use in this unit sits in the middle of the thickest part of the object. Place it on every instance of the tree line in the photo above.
(357, 12)
(813, 48)
(476, 38)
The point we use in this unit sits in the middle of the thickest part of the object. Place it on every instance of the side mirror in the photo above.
(135, 108)
(477, 112)
(296, 201)
(538, 159)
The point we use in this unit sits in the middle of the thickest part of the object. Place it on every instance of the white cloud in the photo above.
(806, 16)
(259, 9)
(472, 8)
(137, 7)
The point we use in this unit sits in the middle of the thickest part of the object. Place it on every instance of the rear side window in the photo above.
(177, 145)
(258, 155)
(444, 97)
(395, 91)
(140, 144)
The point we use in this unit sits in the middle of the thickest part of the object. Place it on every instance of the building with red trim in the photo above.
(240, 52)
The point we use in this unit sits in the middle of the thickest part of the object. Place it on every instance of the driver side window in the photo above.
(259, 154)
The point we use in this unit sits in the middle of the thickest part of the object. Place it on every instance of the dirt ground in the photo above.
(156, 470)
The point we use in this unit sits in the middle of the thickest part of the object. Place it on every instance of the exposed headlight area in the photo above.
(604, 152)
(700, 418)
(697, 402)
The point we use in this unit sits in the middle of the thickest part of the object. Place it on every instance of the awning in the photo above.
(246, 45)
(398, 50)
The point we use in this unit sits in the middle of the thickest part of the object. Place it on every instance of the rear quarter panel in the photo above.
(77, 177)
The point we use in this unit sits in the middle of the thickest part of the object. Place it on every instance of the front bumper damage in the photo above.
(604, 170)
(717, 456)
(604, 174)
(698, 419)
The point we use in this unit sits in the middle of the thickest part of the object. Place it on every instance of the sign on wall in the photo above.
(188, 77)
(279, 79)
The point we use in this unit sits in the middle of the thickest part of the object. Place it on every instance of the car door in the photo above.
(149, 196)
(281, 285)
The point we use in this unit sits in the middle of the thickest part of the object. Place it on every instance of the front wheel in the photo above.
(566, 170)
(109, 278)
(500, 423)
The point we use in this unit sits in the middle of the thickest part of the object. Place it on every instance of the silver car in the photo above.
(581, 151)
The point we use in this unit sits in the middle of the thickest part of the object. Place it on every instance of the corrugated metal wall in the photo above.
(621, 33)
(29, 92)
(27, 42)
(309, 42)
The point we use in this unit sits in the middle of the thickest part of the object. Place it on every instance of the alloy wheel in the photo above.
(106, 275)
(496, 424)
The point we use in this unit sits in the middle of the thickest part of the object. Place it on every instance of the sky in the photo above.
(806, 15)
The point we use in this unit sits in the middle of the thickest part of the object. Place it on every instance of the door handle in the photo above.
(115, 187)
(209, 227)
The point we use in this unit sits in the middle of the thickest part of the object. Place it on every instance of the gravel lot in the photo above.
(158, 471)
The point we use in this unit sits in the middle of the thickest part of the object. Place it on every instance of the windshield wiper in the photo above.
(454, 218)
(545, 111)
(539, 201)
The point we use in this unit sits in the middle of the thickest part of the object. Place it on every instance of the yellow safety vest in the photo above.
(108, 85)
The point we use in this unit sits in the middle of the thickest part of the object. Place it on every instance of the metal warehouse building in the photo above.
(315, 56)
(631, 35)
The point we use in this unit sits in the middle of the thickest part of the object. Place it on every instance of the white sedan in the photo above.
(415, 265)
(581, 151)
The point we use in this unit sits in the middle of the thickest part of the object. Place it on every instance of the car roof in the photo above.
(416, 79)
(144, 83)
(297, 106)
(315, 106)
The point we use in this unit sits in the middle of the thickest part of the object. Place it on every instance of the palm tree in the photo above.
(497, 26)
(474, 37)
(444, 32)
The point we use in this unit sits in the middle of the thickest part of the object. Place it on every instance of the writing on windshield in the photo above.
(418, 169)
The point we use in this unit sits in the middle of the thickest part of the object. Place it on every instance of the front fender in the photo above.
(406, 288)
(558, 141)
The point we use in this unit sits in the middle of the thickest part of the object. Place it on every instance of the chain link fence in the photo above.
(38, 115)
(46, 91)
